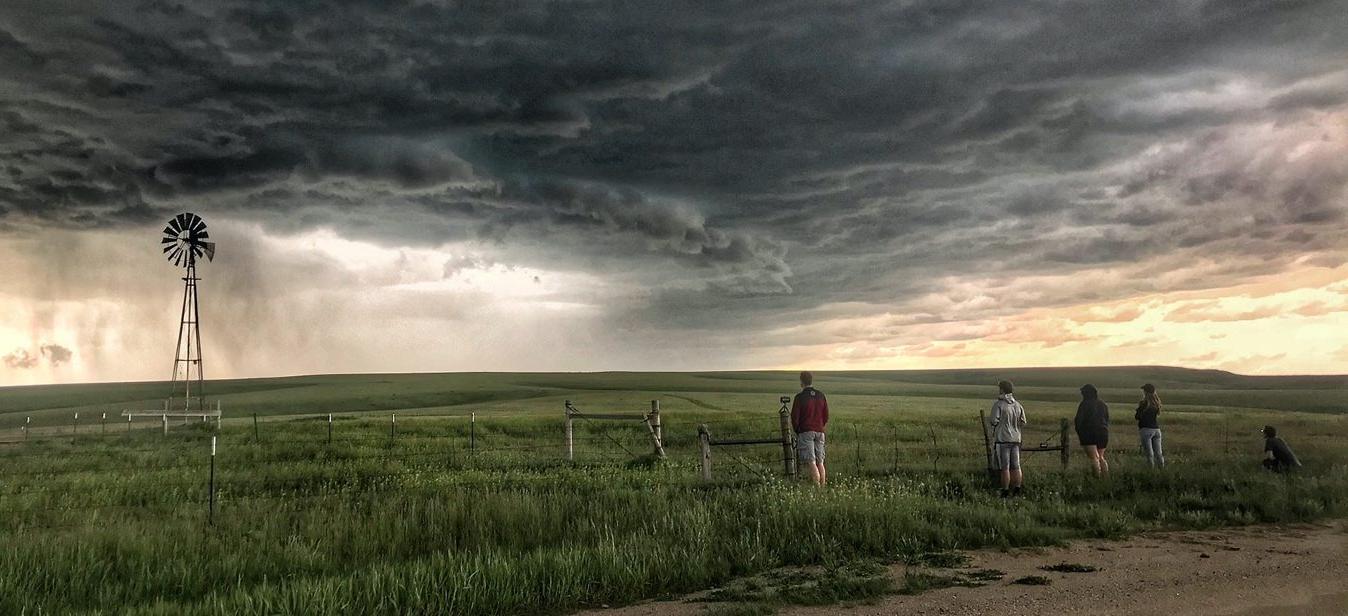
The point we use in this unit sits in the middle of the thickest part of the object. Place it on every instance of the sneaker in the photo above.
(1016, 491)
(1006, 493)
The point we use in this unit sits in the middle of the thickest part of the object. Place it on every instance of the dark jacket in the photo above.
(1282, 454)
(809, 411)
(1092, 414)
(1146, 416)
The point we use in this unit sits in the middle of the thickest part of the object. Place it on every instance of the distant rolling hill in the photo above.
(382, 392)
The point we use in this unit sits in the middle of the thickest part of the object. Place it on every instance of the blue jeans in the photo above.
(1151, 446)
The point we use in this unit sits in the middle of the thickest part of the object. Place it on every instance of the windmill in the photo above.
(184, 242)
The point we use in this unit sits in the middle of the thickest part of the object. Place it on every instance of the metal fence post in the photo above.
(472, 432)
(75, 427)
(27, 427)
(1065, 439)
(255, 439)
(393, 426)
(788, 453)
(164, 419)
(329, 428)
(103, 423)
(210, 514)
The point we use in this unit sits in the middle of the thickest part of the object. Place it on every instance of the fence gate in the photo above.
(651, 419)
(1062, 436)
(786, 440)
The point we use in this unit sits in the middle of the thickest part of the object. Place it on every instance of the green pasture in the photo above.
(441, 514)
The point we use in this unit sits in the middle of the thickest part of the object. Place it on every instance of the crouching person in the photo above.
(1278, 457)
(809, 418)
(1008, 417)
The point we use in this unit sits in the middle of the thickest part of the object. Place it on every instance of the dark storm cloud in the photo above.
(815, 153)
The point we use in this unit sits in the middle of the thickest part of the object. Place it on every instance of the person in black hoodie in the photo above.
(1148, 428)
(1092, 423)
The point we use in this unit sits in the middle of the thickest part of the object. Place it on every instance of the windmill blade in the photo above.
(203, 235)
(168, 230)
(181, 219)
(169, 247)
(168, 240)
(197, 225)
(210, 250)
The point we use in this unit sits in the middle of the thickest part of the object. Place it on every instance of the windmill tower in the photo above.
(184, 242)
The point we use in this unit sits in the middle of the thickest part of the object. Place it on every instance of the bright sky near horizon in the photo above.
(421, 186)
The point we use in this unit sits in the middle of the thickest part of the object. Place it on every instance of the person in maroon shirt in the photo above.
(809, 417)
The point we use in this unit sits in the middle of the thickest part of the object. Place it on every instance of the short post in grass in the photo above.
(570, 441)
(255, 439)
(103, 423)
(75, 426)
(788, 451)
(472, 432)
(128, 424)
(393, 426)
(704, 444)
(329, 428)
(164, 418)
(210, 497)
(27, 427)
(1065, 439)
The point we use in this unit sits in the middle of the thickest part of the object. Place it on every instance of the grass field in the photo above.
(439, 515)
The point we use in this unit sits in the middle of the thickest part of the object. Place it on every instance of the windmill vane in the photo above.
(185, 238)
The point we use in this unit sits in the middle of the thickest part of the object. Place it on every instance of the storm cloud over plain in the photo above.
(724, 186)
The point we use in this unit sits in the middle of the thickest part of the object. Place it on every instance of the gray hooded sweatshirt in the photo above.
(1008, 417)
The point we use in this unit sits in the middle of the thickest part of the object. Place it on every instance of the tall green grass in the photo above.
(422, 523)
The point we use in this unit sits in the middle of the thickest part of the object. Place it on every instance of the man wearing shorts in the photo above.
(809, 416)
(1008, 417)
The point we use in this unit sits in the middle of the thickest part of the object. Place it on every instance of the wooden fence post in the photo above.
(704, 443)
(1065, 439)
(987, 443)
(788, 451)
(570, 442)
(659, 447)
(655, 420)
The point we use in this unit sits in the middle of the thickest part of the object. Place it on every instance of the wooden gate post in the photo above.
(653, 424)
(570, 442)
(704, 443)
(655, 421)
(788, 449)
(987, 443)
(1066, 441)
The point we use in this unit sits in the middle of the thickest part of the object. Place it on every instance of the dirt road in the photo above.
(1253, 571)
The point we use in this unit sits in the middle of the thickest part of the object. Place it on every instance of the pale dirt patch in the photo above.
(1297, 570)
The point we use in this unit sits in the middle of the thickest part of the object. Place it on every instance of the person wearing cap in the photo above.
(1008, 417)
(809, 418)
(1148, 427)
(1278, 457)
(1092, 424)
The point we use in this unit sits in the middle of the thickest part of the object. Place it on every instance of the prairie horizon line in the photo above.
(785, 371)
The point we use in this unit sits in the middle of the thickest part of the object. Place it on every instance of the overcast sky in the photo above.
(438, 185)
